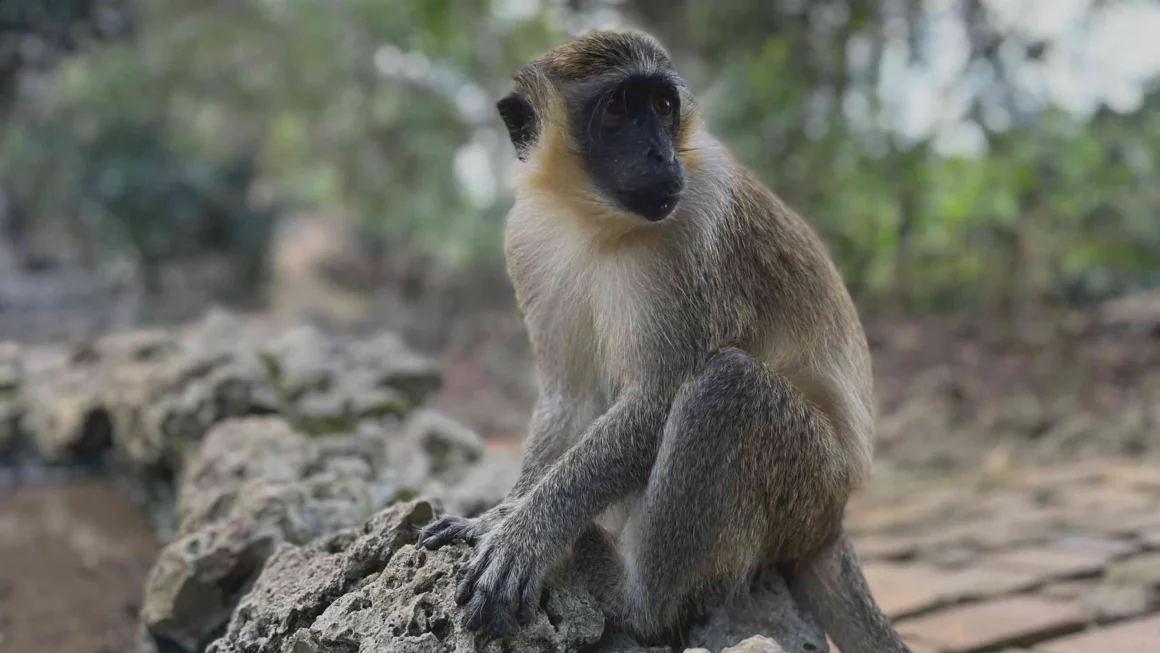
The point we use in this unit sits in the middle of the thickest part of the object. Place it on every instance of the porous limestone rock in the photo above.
(371, 589)
(11, 408)
(149, 396)
(254, 485)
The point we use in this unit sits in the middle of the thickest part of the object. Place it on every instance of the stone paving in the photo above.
(1061, 560)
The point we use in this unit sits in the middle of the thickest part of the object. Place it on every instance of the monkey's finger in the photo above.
(508, 592)
(476, 610)
(438, 538)
(470, 534)
(483, 606)
(502, 623)
(467, 585)
(503, 617)
(437, 526)
(426, 537)
(527, 609)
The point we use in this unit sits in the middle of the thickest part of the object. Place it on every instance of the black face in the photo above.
(628, 132)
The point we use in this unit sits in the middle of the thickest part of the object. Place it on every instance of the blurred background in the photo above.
(985, 172)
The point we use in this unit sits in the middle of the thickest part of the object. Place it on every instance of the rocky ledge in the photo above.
(370, 589)
(289, 472)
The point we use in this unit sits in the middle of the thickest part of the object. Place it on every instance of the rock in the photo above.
(388, 362)
(768, 611)
(481, 485)
(254, 485)
(299, 584)
(758, 644)
(371, 589)
(139, 345)
(618, 642)
(176, 403)
(11, 366)
(151, 395)
(243, 453)
(329, 389)
(301, 359)
(145, 392)
(219, 330)
(10, 414)
(66, 398)
(11, 408)
(64, 414)
(377, 593)
(434, 445)
(437, 457)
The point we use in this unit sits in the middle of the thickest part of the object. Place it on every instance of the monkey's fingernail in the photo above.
(466, 622)
(464, 594)
(498, 628)
(478, 612)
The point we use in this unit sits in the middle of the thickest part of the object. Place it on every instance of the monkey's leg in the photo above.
(743, 476)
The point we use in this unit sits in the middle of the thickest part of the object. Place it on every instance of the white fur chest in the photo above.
(583, 302)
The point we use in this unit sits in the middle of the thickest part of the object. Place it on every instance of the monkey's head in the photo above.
(602, 122)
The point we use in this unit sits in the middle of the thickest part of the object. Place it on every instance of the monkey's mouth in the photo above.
(651, 206)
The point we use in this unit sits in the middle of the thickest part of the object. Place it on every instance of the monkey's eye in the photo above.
(616, 107)
(662, 104)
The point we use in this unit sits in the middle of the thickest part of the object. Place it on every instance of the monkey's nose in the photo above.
(661, 156)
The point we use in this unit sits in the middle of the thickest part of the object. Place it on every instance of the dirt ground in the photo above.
(73, 561)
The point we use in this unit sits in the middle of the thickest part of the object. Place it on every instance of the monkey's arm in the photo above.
(551, 432)
(613, 458)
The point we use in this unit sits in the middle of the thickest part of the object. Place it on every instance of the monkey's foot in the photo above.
(449, 528)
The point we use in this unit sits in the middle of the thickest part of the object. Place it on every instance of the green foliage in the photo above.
(374, 108)
(131, 184)
(34, 34)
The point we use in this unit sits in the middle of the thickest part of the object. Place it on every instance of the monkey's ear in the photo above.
(520, 119)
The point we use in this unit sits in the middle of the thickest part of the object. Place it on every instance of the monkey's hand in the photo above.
(449, 528)
(501, 584)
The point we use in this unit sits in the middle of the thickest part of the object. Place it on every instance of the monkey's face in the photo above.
(629, 143)
(599, 121)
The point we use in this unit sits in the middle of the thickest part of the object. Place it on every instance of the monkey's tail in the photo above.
(834, 590)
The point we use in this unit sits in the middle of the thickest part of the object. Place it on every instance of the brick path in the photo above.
(1065, 560)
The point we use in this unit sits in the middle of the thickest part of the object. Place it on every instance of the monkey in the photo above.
(705, 403)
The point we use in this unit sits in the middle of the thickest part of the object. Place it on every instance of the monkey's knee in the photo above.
(727, 393)
(730, 376)
(731, 363)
